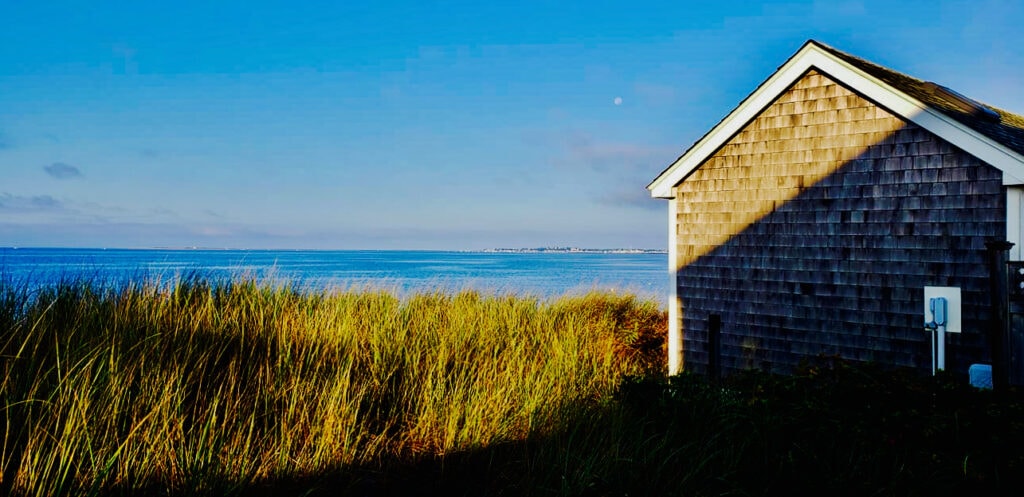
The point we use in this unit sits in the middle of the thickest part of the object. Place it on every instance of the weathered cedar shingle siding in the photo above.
(814, 229)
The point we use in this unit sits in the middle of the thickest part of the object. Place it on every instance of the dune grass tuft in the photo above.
(204, 387)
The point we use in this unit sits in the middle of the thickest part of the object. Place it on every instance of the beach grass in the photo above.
(245, 388)
(206, 387)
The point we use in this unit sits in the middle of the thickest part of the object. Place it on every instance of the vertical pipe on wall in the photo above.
(940, 348)
(931, 333)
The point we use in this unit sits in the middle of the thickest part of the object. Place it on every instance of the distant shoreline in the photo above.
(524, 250)
(571, 250)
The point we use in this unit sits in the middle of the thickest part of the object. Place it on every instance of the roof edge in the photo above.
(815, 55)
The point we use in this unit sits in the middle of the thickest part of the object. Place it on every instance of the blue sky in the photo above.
(411, 125)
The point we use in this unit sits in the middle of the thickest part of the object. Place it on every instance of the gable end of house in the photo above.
(999, 143)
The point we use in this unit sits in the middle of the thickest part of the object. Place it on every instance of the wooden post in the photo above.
(715, 347)
(999, 338)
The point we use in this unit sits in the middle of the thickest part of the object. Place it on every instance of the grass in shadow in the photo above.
(206, 387)
(236, 388)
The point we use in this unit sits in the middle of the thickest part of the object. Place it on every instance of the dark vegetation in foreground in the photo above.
(237, 388)
(834, 429)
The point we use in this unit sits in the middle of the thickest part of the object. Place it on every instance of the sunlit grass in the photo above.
(238, 388)
(209, 387)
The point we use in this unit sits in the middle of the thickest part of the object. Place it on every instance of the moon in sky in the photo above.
(617, 101)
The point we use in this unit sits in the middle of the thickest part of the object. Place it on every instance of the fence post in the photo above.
(715, 347)
(999, 334)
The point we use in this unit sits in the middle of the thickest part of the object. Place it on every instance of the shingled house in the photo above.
(809, 220)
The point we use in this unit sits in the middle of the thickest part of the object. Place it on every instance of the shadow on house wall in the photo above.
(814, 230)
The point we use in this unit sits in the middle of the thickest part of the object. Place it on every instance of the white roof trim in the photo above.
(811, 56)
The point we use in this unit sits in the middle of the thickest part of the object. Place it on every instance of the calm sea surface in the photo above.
(540, 274)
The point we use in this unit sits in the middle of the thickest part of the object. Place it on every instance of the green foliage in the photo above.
(837, 428)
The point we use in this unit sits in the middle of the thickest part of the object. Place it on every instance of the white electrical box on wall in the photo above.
(952, 296)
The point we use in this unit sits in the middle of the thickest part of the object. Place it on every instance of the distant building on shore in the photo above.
(575, 250)
(809, 221)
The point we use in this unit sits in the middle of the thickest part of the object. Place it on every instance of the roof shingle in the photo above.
(1007, 130)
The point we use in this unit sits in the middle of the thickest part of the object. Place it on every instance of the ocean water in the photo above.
(544, 274)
